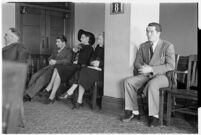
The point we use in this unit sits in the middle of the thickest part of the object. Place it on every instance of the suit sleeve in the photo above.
(169, 63)
(138, 60)
(53, 56)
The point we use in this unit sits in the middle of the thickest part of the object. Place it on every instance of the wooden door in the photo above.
(40, 27)
(55, 26)
(31, 29)
(40, 24)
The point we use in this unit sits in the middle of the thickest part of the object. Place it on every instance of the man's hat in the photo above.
(88, 34)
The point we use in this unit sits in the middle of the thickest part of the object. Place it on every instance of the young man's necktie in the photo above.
(151, 50)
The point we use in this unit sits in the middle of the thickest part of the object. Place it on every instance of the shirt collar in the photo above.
(61, 49)
(155, 44)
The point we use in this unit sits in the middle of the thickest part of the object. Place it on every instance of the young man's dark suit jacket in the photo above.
(41, 78)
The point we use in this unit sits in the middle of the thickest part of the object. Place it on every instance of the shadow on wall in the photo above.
(138, 36)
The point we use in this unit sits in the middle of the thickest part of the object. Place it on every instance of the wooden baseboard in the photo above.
(113, 105)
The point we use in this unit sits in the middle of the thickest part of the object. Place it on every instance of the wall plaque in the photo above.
(116, 8)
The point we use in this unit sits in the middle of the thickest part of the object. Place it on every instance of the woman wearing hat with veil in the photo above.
(62, 73)
(88, 75)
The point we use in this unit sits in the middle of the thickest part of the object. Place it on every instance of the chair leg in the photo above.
(173, 106)
(94, 96)
(161, 108)
(169, 108)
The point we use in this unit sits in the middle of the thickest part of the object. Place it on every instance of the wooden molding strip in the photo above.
(113, 105)
(45, 7)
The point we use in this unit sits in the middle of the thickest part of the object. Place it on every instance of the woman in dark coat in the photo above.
(14, 50)
(90, 74)
(41, 78)
(82, 57)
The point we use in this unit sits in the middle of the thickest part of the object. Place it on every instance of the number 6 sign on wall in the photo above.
(117, 8)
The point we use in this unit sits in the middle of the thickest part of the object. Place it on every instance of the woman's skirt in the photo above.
(67, 71)
(88, 76)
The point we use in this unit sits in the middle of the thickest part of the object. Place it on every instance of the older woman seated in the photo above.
(62, 73)
(88, 75)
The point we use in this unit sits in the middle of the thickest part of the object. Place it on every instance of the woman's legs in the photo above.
(56, 84)
(50, 85)
(80, 94)
(72, 89)
(69, 92)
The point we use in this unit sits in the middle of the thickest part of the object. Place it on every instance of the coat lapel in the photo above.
(146, 53)
(62, 52)
(156, 56)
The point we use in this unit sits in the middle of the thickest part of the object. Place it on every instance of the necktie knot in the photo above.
(151, 43)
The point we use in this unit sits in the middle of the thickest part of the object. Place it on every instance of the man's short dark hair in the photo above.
(15, 31)
(62, 38)
(156, 25)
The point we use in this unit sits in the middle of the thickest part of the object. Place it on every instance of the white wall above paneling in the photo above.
(117, 40)
(141, 16)
(180, 23)
(8, 18)
(90, 17)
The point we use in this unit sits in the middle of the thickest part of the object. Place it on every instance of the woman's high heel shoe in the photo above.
(49, 101)
(64, 96)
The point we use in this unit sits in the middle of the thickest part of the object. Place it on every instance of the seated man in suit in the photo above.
(154, 58)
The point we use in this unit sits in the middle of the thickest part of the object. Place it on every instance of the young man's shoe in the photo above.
(131, 117)
(44, 93)
(153, 121)
(26, 98)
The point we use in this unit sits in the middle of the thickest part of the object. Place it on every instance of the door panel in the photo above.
(30, 19)
(31, 29)
(40, 27)
(31, 38)
(54, 27)
(56, 21)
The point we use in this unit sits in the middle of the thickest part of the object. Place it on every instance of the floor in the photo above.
(60, 118)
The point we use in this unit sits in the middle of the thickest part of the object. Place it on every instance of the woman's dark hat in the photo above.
(88, 34)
